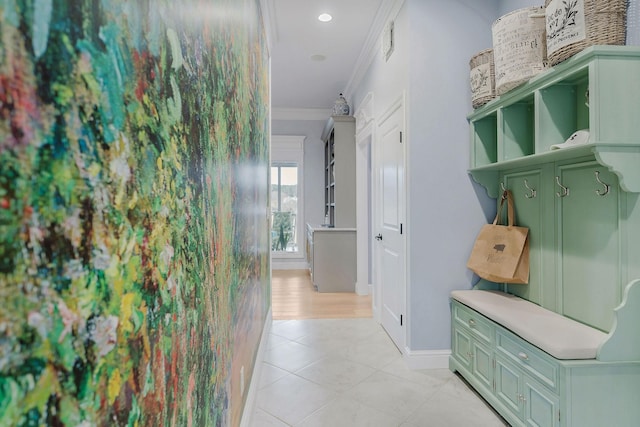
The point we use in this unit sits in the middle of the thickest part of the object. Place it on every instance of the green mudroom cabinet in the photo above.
(582, 207)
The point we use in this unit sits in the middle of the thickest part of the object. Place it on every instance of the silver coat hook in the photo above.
(532, 192)
(607, 187)
(565, 190)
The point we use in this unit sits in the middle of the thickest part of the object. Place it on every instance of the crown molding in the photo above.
(288, 142)
(300, 113)
(388, 10)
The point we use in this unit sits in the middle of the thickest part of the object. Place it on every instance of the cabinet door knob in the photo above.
(379, 236)
(472, 323)
(523, 356)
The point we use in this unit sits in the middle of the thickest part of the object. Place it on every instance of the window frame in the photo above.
(288, 150)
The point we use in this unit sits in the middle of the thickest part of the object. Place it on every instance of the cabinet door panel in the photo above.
(508, 386)
(462, 348)
(589, 245)
(482, 365)
(541, 407)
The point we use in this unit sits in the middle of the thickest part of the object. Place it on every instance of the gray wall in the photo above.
(448, 208)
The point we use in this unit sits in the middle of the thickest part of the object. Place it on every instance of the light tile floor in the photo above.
(347, 372)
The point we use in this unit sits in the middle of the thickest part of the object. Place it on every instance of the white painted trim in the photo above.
(362, 288)
(280, 144)
(375, 311)
(426, 359)
(290, 148)
(365, 135)
(319, 114)
(252, 391)
(388, 10)
(364, 115)
(284, 264)
(398, 103)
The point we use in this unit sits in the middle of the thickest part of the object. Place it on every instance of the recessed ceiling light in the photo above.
(318, 57)
(325, 17)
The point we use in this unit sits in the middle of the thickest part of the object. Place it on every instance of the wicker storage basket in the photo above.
(573, 25)
(519, 48)
(482, 78)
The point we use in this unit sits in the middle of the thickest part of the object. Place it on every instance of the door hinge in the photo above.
(400, 137)
(558, 415)
(401, 320)
(400, 228)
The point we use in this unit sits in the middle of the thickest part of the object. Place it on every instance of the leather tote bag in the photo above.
(501, 252)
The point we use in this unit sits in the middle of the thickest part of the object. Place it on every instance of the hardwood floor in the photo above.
(294, 297)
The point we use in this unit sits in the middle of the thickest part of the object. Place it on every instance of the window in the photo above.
(287, 205)
(284, 207)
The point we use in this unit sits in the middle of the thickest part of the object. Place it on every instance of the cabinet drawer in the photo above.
(473, 322)
(533, 360)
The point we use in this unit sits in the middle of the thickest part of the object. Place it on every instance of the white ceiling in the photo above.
(296, 34)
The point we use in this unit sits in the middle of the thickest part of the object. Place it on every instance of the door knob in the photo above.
(379, 237)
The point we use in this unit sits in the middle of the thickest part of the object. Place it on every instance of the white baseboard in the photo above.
(363, 288)
(289, 264)
(250, 403)
(427, 359)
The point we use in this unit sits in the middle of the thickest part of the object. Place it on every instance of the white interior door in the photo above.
(389, 221)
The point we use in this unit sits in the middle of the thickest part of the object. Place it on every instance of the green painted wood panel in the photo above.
(589, 243)
(556, 115)
(631, 245)
(541, 408)
(614, 88)
(602, 395)
(624, 341)
(516, 133)
(508, 385)
(529, 207)
(482, 363)
(462, 348)
(485, 145)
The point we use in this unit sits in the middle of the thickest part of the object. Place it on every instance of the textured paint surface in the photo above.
(134, 256)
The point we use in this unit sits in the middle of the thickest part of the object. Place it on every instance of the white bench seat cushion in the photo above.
(561, 337)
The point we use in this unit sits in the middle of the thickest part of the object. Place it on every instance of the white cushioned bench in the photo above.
(561, 337)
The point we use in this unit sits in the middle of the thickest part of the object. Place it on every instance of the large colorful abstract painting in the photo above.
(134, 257)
